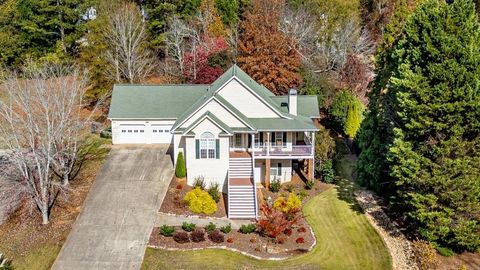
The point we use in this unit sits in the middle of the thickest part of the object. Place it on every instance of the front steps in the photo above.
(241, 190)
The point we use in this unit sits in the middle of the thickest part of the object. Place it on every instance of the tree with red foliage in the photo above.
(265, 53)
(355, 75)
(274, 222)
(196, 68)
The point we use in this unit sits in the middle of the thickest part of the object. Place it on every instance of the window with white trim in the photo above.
(207, 146)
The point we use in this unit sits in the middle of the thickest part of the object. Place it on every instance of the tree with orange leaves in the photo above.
(265, 53)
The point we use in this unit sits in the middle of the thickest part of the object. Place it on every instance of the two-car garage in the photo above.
(142, 132)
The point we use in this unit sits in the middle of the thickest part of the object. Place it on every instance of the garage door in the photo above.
(161, 134)
(132, 134)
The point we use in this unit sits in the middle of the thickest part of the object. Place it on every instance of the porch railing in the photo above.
(274, 149)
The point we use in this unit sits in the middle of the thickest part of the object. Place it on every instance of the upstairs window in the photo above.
(207, 146)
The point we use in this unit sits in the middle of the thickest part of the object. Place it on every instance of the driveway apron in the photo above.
(120, 210)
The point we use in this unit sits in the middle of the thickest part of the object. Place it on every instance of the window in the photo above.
(123, 131)
(166, 130)
(207, 146)
(238, 140)
(141, 131)
(154, 131)
(276, 171)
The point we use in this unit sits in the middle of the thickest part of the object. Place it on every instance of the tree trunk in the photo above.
(66, 180)
(45, 216)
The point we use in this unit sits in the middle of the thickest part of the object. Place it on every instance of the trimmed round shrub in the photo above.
(166, 230)
(302, 230)
(300, 240)
(180, 169)
(198, 235)
(216, 237)
(250, 228)
(199, 201)
(226, 229)
(288, 232)
(210, 227)
(188, 227)
(181, 237)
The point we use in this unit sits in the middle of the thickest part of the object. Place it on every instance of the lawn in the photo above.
(345, 240)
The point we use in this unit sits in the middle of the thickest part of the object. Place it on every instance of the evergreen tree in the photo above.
(427, 101)
(180, 169)
(353, 121)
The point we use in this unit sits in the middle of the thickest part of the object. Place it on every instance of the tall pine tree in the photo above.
(427, 104)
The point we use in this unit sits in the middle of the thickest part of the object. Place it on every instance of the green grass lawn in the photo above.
(345, 240)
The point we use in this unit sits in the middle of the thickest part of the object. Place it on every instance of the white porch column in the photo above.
(268, 143)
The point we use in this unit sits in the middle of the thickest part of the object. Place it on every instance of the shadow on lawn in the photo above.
(345, 180)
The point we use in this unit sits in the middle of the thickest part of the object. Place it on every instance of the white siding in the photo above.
(286, 171)
(219, 111)
(213, 170)
(246, 102)
(145, 137)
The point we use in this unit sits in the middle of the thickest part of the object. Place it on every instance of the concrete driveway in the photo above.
(120, 210)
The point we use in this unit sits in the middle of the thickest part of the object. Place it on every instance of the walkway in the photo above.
(119, 213)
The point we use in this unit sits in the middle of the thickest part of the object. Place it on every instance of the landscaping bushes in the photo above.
(210, 227)
(226, 229)
(288, 206)
(309, 184)
(188, 227)
(199, 201)
(214, 192)
(198, 235)
(199, 182)
(180, 169)
(328, 174)
(181, 237)
(250, 228)
(275, 186)
(166, 230)
(216, 237)
(274, 222)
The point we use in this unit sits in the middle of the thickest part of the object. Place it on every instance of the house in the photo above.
(234, 132)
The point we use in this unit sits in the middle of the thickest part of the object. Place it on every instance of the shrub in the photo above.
(328, 174)
(275, 186)
(309, 184)
(181, 237)
(226, 229)
(188, 227)
(250, 228)
(106, 134)
(180, 168)
(253, 240)
(444, 251)
(288, 232)
(342, 102)
(210, 227)
(214, 192)
(302, 230)
(5, 264)
(274, 222)
(425, 254)
(166, 230)
(230, 240)
(216, 237)
(302, 194)
(179, 187)
(300, 240)
(199, 201)
(199, 182)
(290, 188)
(198, 235)
(287, 206)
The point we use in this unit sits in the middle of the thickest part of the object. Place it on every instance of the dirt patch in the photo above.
(252, 244)
(468, 260)
(295, 186)
(173, 204)
(23, 231)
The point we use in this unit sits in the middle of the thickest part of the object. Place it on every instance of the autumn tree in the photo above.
(265, 52)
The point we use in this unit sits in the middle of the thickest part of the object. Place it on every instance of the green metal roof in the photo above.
(282, 124)
(181, 101)
(213, 118)
(153, 101)
(306, 105)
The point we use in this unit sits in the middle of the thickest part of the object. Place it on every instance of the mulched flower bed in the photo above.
(252, 244)
(173, 201)
(300, 241)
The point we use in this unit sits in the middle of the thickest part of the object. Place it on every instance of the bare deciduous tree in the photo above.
(125, 35)
(176, 40)
(41, 126)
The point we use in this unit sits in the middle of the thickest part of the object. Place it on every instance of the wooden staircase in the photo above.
(242, 202)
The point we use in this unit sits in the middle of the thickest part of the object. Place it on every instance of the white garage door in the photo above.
(161, 134)
(132, 134)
